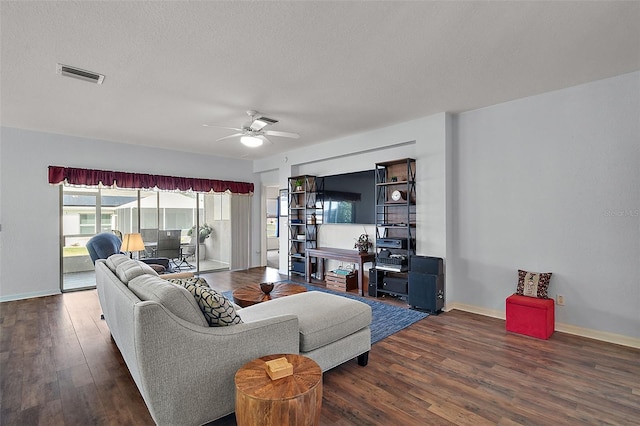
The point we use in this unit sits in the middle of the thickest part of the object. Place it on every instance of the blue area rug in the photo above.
(387, 319)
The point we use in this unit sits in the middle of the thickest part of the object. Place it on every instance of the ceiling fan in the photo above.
(253, 134)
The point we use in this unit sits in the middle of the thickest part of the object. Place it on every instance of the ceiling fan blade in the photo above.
(222, 127)
(266, 139)
(235, 135)
(281, 134)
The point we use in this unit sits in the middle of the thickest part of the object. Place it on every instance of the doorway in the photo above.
(272, 227)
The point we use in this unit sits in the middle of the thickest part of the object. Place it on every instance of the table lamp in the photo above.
(131, 243)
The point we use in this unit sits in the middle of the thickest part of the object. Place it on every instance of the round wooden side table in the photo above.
(292, 400)
(252, 294)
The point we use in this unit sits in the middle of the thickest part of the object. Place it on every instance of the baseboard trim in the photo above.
(604, 336)
(476, 310)
(29, 295)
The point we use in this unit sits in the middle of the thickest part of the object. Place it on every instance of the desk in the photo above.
(350, 256)
(151, 251)
(154, 245)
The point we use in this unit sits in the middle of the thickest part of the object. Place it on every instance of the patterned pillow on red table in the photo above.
(533, 284)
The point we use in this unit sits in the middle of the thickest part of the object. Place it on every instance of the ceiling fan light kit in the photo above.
(251, 141)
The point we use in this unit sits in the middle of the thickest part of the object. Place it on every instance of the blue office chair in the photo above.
(103, 245)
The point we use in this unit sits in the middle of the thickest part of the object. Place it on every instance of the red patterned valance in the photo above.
(126, 180)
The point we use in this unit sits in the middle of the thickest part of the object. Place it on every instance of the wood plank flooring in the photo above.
(58, 366)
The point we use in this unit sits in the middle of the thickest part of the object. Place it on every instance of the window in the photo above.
(105, 222)
(87, 223)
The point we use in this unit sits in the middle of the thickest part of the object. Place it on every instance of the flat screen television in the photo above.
(349, 198)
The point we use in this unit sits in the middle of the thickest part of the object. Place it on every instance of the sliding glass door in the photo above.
(167, 222)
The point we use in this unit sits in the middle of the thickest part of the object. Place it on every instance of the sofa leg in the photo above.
(363, 359)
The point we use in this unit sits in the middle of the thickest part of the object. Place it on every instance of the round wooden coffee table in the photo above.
(252, 294)
(291, 400)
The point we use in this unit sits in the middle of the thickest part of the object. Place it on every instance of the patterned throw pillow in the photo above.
(218, 311)
(533, 284)
(190, 280)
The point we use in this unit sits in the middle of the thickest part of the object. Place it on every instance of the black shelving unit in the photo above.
(395, 220)
(305, 215)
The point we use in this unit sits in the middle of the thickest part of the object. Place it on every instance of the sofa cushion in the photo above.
(175, 298)
(338, 318)
(130, 269)
(115, 259)
(217, 310)
(533, 284)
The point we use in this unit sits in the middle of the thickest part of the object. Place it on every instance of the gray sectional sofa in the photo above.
(184, 368)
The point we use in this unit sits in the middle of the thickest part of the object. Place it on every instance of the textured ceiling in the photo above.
(324, 69)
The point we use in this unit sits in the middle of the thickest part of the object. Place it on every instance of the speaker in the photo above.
(298, 267)
(375, 277)
(426, 291)
(395, 284)
(427, 264)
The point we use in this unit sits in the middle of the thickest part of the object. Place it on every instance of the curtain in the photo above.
(240, 232)
(126, 180)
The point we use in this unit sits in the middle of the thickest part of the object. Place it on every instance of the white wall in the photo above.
(551, 183)
(30, 257)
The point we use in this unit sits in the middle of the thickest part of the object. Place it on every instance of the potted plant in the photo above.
(204, 232)
(363, 243)
(298, 184)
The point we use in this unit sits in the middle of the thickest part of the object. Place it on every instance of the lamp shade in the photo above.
(132, 242)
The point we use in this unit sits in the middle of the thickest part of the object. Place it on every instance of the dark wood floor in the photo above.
(58, 366)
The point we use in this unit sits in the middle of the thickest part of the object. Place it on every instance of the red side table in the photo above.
(530, 316)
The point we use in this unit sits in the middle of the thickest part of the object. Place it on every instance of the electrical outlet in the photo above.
(560, 299)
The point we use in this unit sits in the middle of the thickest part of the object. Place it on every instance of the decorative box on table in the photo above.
(341, 280)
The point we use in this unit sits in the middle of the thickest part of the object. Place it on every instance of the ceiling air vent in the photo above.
(84, 75)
